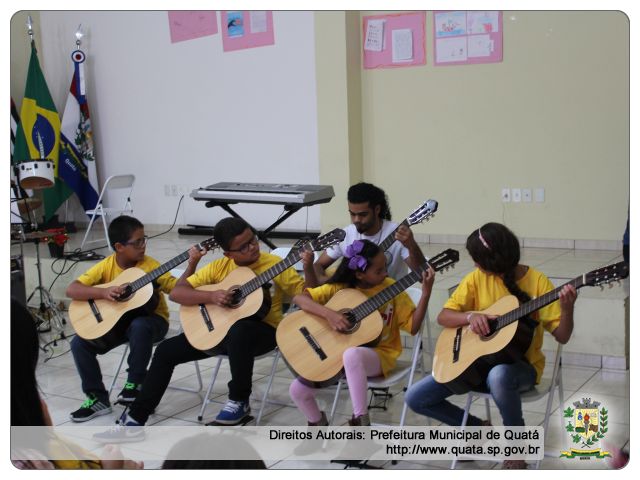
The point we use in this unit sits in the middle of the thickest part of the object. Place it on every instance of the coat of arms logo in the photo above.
(587, 425)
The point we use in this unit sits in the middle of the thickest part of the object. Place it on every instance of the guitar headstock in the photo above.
(444, 260)
(323, 241)
(423, 212)
(608, 274)
(209, 244)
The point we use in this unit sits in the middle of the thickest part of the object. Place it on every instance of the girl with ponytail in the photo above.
(495, 251)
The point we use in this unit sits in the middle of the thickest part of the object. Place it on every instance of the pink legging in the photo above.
(359, 363)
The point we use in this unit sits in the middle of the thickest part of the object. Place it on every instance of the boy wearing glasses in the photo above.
(246, 339)
(141, 327)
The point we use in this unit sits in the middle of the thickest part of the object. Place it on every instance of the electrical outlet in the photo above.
(506, 195)
(526, 195)
(516, 195)
(167, 190)
(538, 194)
(174, 190)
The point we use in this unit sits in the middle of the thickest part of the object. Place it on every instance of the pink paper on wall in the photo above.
(190, 24)
(397, 32)
(246, 29)
(467, 37)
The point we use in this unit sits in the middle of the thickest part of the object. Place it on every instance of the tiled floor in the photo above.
(60, 384)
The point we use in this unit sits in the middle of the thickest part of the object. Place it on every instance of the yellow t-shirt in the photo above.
(397, 314)
(479, 291)
(288, 282)
(108, 269)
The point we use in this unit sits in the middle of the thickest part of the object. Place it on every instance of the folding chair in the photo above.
(547, 386)
(124, 185)
(276, 356)
(404, 371)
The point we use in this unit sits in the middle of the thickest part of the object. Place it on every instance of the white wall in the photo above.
(189, 114)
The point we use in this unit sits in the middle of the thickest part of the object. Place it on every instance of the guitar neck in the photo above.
(161, 270)
(270, 274)
(388, 241)
(536, 304)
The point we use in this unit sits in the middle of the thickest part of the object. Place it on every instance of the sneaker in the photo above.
(91, 408)
(127, 430)
(129, 393)
(233, 412)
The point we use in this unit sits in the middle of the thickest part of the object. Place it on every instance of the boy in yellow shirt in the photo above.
(246, 339)
(141, 327)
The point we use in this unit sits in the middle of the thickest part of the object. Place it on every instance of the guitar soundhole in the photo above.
(126, 294)
(236, 297)
(352, 321)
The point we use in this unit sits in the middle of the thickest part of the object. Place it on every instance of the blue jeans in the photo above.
(141, 334)
(505, 382)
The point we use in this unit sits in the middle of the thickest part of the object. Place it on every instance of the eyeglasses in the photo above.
(139, 243)
(244, 248)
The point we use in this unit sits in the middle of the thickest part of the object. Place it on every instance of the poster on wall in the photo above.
(190, 24)
(467, 37)
(243, 29)
(392, 41)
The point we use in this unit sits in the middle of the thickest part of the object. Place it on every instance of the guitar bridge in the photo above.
(206, 317)
(95, 311)
(313, 343)
(456, 344)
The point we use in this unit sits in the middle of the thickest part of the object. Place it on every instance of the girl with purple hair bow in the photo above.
(363, 268)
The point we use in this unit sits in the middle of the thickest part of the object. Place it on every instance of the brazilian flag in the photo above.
(38, 135)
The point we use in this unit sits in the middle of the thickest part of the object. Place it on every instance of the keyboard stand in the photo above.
(289, 208)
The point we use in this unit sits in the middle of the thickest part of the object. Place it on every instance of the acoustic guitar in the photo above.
(206, 325)
(93, 319)
(313, 350)
(462, 359)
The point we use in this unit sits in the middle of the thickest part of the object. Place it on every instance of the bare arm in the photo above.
(184, 294)
(416, 258)
(568, 296)
(79, 291)
(335, 319)
(477, 322)
(310, 276)
(423, 303)
(320, 268)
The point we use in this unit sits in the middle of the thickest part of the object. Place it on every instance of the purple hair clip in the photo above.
(356, 261)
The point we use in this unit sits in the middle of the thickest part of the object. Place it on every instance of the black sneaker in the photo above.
(129, 393)
(91, 408)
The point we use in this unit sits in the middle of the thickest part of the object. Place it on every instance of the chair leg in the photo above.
(86, 234)
(266, 392)
(335, 401)
(106, 230)
(205, 401)
(465, 418)
(191, 390)
(115, 376)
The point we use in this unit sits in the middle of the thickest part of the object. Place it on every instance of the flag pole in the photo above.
(79, 34)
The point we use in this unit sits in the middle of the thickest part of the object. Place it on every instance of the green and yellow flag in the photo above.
(38, 135)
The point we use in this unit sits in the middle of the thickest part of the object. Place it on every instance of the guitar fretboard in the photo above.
(388, 241)
(535, 304)
(162, 269)
(256, 283)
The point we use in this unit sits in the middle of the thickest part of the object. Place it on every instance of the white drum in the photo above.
(36, 174)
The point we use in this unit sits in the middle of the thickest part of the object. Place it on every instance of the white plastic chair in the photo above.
(276, 356)
(123, 184)
(405, 370)
(547, 386)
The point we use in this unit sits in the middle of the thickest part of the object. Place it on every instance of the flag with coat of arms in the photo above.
(77, 162)
(38, 135)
